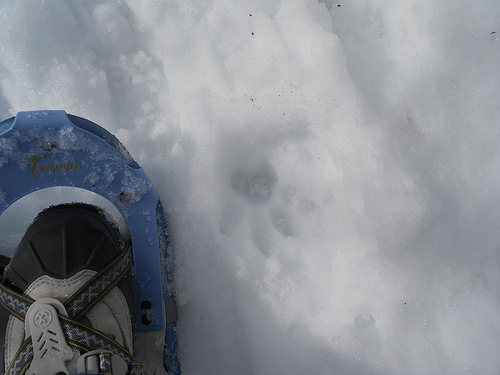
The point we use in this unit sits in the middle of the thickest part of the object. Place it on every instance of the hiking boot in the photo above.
(67, 297)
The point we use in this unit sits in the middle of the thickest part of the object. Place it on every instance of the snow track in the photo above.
(330, 170)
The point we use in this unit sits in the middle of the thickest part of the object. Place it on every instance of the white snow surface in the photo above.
(330, 169)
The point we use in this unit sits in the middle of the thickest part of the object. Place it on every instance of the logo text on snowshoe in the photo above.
(53, 167)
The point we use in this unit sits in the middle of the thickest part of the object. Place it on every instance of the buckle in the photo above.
(50, 350)
(101, 362)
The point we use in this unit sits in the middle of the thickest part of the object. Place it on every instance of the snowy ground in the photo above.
(330, 170)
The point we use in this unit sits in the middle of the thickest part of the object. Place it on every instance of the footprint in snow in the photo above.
(255, 184)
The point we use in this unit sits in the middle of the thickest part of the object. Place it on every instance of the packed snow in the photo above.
(330, 169)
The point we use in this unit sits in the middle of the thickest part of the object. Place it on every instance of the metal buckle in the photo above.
(101, 362)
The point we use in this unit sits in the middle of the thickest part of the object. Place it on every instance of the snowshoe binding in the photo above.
(77, 293)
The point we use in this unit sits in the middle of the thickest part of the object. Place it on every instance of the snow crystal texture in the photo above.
(330, 169)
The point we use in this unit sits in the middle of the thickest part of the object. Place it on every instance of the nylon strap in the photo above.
(77, 334)
(88, 339)
(15, 303)
(22, 359)
(96, 288)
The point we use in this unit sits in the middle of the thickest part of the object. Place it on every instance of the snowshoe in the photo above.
(77, 292)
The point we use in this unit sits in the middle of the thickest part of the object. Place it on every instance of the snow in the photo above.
(330, 170)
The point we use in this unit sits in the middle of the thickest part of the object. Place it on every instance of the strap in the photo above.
(87, 296)
(96, 288)
(24, 356)
(22, 359)
(78, 335)
(17, 304)
(87, 338)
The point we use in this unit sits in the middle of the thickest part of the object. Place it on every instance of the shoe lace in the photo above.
(96, 346)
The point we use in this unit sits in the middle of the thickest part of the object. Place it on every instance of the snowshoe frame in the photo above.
(44, 149)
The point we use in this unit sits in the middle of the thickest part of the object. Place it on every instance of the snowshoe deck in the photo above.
(46, 149)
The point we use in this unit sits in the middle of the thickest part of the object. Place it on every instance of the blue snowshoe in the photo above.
(79, 295)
